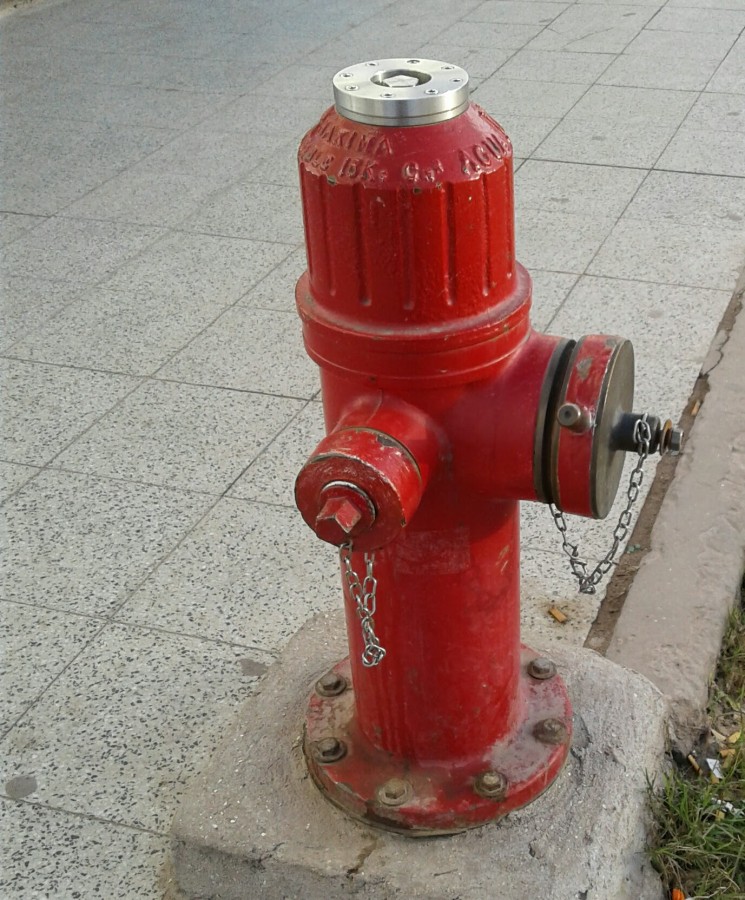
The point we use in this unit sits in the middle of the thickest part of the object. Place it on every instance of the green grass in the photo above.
(698, 846)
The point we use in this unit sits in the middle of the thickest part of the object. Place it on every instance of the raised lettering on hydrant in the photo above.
(443, 410)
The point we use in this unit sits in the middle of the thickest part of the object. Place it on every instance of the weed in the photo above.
(699, 840)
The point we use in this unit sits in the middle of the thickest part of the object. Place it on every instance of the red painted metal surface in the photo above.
(585, 467)
(440, 796)
(439, 402)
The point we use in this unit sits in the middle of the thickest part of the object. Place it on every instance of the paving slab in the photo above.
(71, 250)
(270, 477)
(668, 253)
(211, 270)
(251, 350)
(38, 644)
(253, 824)
(249, 574)
(13, 476)
(82, 544)
(47, 407)
(182, 436)
(53, 853)
(29, 303)
(132, 332)
(129, 706)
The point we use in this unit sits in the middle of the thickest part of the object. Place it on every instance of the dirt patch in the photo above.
(639, 543)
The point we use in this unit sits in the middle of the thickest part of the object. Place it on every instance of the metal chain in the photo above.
(589, 582)
(364, 594)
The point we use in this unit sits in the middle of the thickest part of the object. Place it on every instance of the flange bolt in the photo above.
(331, 684)
(395, 792)
(541, 668)
(551, 731)
(491, 784)
(329, 750)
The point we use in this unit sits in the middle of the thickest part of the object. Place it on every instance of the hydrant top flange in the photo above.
(399, 92)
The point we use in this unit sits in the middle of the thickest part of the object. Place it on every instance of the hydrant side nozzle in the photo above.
(594, 391)
(360, 484)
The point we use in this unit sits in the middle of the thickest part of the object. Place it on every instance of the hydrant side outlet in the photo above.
(443, 409)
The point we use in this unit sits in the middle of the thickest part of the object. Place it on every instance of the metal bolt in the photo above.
(675, 441)
(551, 731)
(351, 87)
(491, 784)
(569, 414)
(414, 61)
(329, 750)
(573, 417)
(541, 668)
(395, 792)
(448, 68)
(331, 684)
(431, 91)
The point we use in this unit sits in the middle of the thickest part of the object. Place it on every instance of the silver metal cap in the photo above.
(401, 92)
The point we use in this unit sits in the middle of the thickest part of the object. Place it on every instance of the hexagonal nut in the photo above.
(328, 750)
(492, 785)
(395, 792)
(551, 731)
(331, 684)
(541, 668)
(675, 442)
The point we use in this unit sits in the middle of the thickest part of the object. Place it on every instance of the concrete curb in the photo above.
(253, 824)
(672, 622)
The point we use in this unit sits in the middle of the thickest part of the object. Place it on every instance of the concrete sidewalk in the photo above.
(157, 401)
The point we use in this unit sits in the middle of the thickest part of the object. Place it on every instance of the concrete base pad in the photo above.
(254, 825)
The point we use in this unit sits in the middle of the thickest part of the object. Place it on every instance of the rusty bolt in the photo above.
(329, 750)
(331, 684)
(394, 792)
(551, 731)
(491, 784)
(541, 668)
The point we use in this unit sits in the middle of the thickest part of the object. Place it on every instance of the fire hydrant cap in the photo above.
(401, 92)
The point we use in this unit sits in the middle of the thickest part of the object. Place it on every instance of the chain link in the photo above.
(588, 582)
(364, 594)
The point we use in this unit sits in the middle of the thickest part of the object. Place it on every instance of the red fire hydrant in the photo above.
(443, 410)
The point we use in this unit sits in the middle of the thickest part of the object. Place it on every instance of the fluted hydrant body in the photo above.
(443, 410)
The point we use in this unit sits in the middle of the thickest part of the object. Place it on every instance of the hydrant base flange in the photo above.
(424, 798)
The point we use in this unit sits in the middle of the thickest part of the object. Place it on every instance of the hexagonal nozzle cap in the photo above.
(346, 512)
